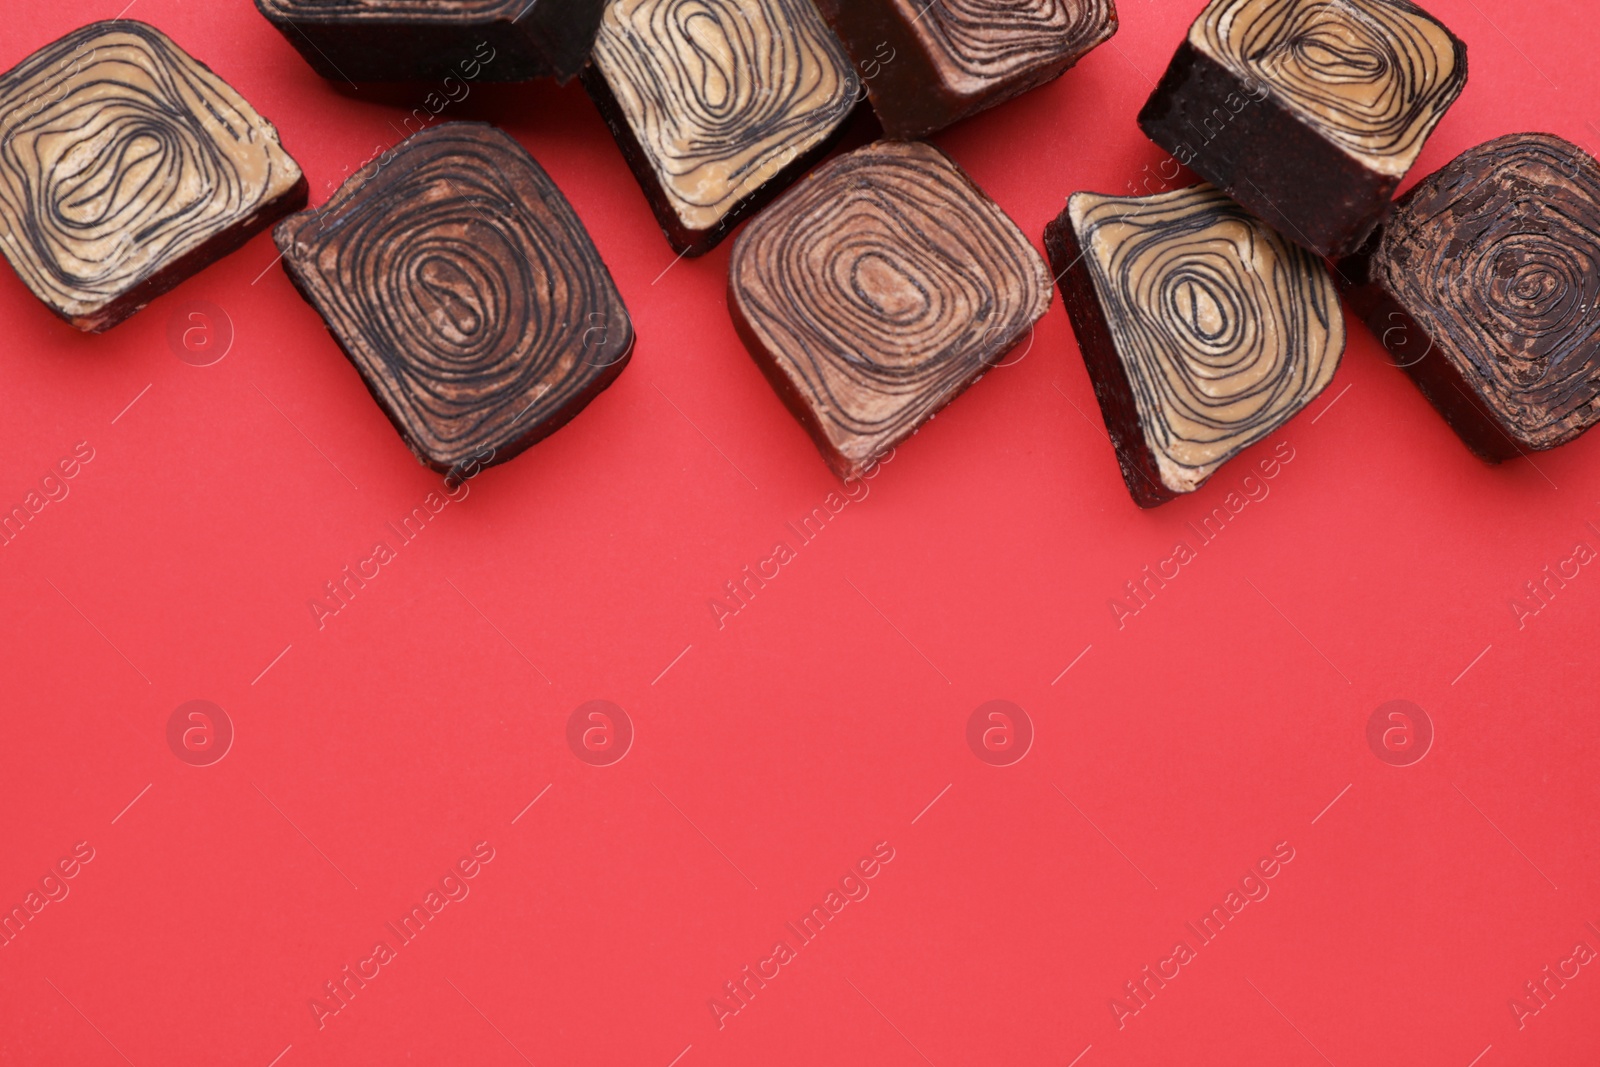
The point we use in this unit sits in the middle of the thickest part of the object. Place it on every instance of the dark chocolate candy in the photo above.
(718, 104)
(875, 292)
(1485, 287)
(929, 63)
(1307, 112)
(430, 40)
(463, 287)
(126, 165)
(1203, 329)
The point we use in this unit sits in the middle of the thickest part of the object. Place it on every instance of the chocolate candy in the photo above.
(929, 63)
(126, 165)
(1485, 287)
(1308, 112)
(462, 286)
(878, 290)
(431, 40)
(1203, 329)
(718, 104)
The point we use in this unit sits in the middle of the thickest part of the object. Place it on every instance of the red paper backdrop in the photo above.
(773, 754)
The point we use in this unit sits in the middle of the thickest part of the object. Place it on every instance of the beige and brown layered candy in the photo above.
(1203, 329)
(873, 294)
(718, 104)
(126, 165)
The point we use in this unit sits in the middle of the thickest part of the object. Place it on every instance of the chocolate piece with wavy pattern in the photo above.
(929, 63)
(718, 104)
(435, 40)
(1485, 287)
(126, 165)
(873, 294)
(1308, 112)
(1202, 328)
(463, 287)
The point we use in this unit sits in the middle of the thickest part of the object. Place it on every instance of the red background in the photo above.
(777, 751)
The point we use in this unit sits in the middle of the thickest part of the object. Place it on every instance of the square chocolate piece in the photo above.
(126, 165)
(463, 287)
(1203, 329)
(1308, 112)
(718, 106)
(1485, 287)
(878, 290)
(430, 40)
(929, 63)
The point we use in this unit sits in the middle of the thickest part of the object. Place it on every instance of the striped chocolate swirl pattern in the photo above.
(466, 291)
(119, 154)
(1374, 76)
(722, 95)
(990, 40)
(1224, 329)
(881, 287)
(1498, 255)
(377, 10)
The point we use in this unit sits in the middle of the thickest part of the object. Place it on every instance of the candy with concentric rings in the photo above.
(929, 63)
(875, 292)
(440, 41)
(465, 290)
(1203, 329)
(1308, 112)
(126, 165)
(718, 105)
(1485, 287)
